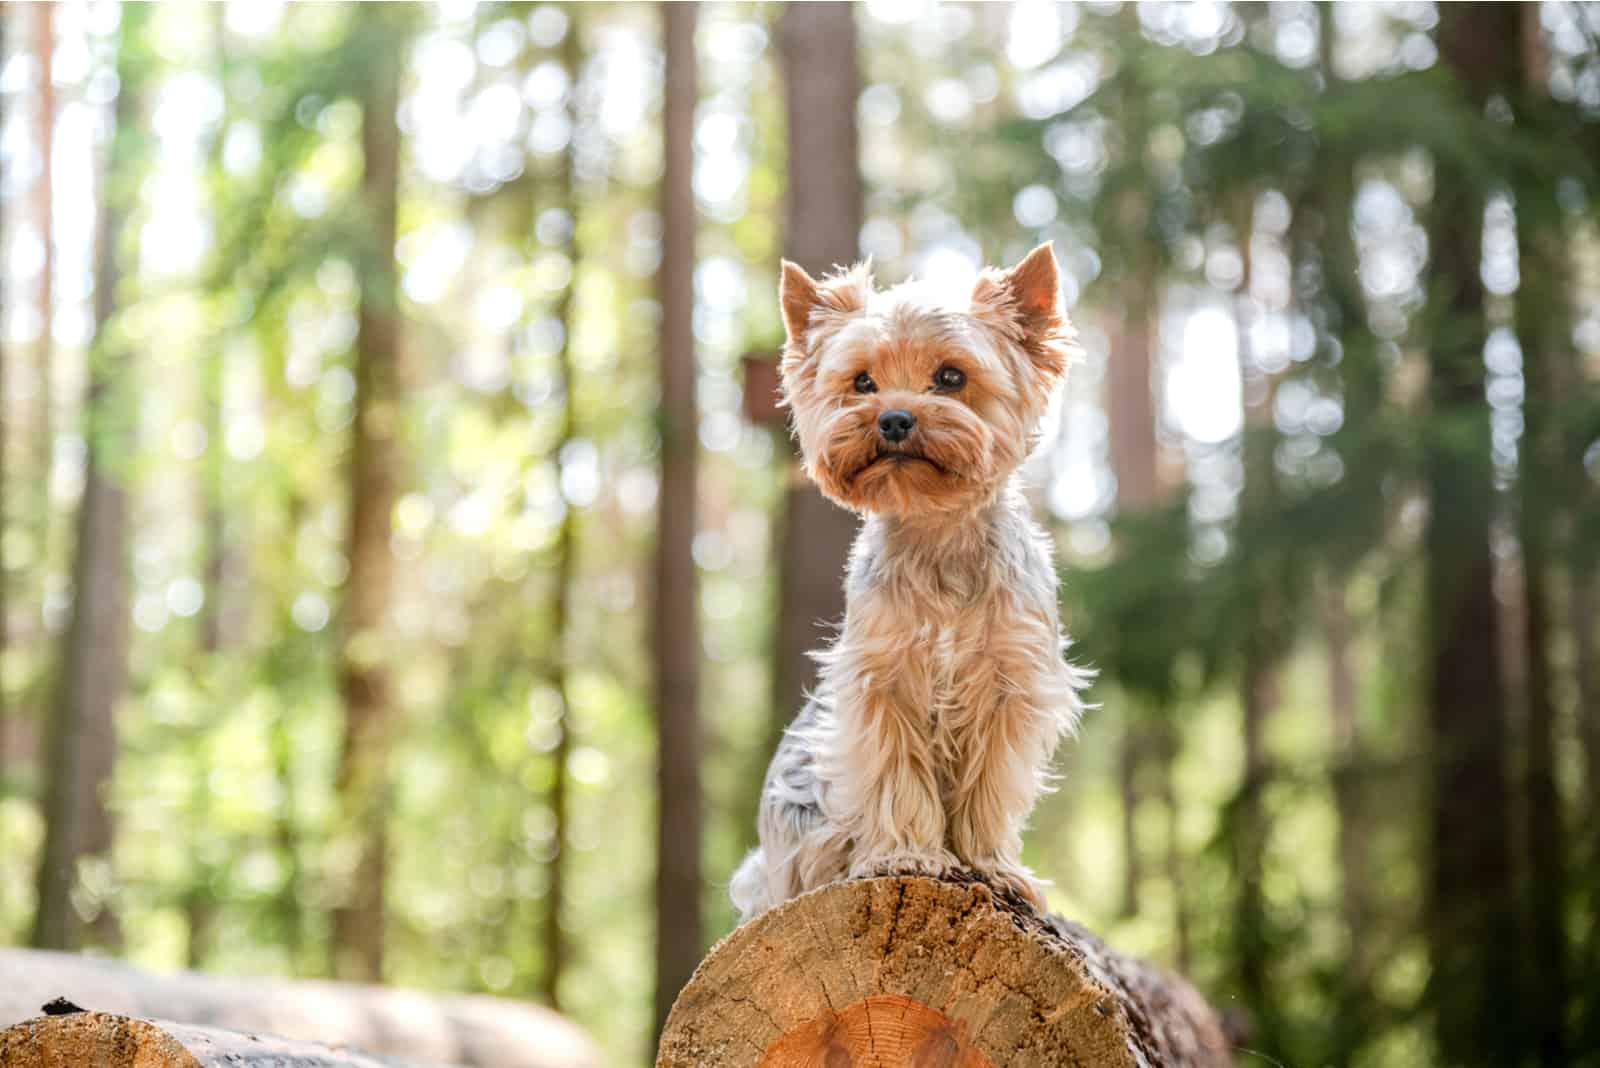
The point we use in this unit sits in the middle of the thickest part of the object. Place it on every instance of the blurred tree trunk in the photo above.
(1333, 246)
(199, 901)
(5, 718)
(39, 495)
(376, 463)
(1575, 379)
(1544, 325)
(555, 954)
(1252, 951)
(822, 80)
(94, 659)
(1150, 740)
(1262, 649)
(1134, 449)
(676, 631)
(1581, 615)
(1130, 756)
(1471, 907)
(1544, 835)
(1581, 611)
(44, 48)
(213, 386)
(289, 905)
(199, 904)
(1167, 741)
(1345, 731)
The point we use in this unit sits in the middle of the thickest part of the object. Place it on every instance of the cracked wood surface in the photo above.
(921, 972)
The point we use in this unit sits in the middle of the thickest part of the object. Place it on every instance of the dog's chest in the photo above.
(936, 657)
(950, 626)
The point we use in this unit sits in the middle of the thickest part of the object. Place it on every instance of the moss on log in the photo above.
(920, 972)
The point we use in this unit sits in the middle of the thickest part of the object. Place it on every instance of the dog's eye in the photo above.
(949, 378)
(865, 384)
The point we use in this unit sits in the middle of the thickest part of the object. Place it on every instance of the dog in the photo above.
(929, 736)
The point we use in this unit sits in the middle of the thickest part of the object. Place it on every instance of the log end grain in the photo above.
(910, 971)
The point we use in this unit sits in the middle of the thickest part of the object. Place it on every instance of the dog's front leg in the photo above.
(990, 801)
(882, 781)
(1004, 735)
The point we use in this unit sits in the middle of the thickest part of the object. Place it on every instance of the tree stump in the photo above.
(910, 971)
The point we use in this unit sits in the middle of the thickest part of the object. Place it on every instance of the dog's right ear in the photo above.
(805, 301)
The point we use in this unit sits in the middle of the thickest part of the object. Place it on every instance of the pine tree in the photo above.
(675, 632)
(555, 949)
(94, 657)
(376, 472)
(1472, 926)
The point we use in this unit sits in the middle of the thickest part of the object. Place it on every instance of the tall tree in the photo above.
(377, 464)
(1150, 739)
(94, 658)
(44, 201)
(1544, 325)
(1133, 454)
(1583, 608)
(821, 77)
(1341, 298)
(1344, 729)
(555, 952)
(1471, 893)
(1262, 648)
(199, 902)
(675, 635)
(4, 586)
(212, 489)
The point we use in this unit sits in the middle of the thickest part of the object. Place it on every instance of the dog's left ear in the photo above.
(1025, 302)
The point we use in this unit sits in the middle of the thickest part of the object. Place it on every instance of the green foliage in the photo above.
(1162, 150)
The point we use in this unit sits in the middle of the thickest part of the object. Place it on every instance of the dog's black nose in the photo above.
(895, 425)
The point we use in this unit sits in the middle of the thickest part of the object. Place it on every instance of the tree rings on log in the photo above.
(910, 971)
(888, 1028)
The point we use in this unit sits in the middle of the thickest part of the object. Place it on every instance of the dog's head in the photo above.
(905, 403)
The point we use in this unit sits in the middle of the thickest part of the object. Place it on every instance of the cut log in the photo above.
(908, 971)
(470, 1030)
(104, 1040)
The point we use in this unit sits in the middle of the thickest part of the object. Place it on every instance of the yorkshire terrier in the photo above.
(929, 736)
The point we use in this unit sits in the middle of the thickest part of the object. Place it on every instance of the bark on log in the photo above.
(921, 972)
(104, 1040)
(471, 1030)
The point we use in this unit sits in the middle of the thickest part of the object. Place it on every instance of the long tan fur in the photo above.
(930, 735)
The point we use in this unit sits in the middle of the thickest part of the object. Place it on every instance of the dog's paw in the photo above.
(1013, 878)
(935, 864)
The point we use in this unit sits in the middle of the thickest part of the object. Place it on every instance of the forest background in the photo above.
(404, 576)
